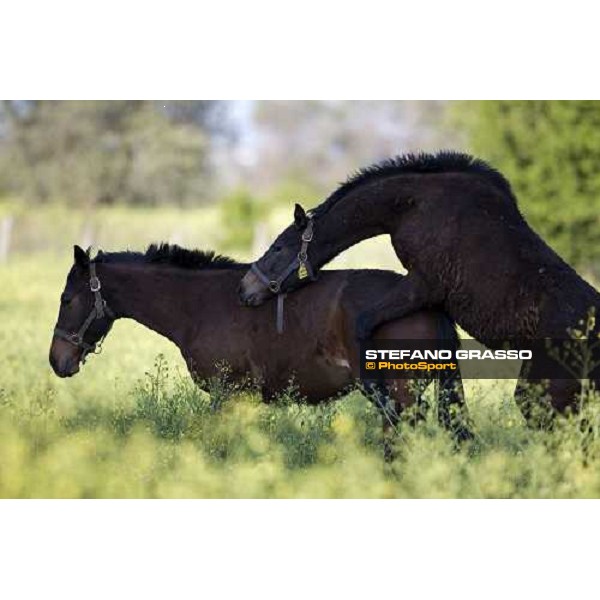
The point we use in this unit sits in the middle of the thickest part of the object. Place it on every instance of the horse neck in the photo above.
(348, 222)
(150, 295)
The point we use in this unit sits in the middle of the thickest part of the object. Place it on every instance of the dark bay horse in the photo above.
(454, 223)
(190, 297)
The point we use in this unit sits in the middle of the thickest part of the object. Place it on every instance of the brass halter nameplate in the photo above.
(302, 271)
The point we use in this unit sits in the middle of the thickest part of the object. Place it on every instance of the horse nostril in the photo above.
(244, 296)
(64, 366)
(247, 299)
(69, 368)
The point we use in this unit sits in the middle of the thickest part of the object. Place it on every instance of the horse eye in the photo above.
(64, 299)
(276, 248)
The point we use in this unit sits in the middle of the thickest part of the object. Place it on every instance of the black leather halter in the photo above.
(300, 263)
(100, 310)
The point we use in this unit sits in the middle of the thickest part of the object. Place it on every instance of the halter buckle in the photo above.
(307, 236)
(95, 284)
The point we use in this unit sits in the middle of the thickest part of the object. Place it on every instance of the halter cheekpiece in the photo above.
(100, 310)
(300, 263)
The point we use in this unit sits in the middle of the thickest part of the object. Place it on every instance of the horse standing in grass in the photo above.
(190, 297)
(454, 223)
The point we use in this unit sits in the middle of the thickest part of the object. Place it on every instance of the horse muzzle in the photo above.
(252, 292)
(65, 370)
(64, 360)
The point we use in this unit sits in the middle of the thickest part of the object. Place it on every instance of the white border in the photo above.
(298, 549)
(279, 50)
(234, 49)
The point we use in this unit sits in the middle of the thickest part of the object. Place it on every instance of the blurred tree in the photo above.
(322, 142)
(90, 153)
(550, 152)
(241, 214)
(210, 116)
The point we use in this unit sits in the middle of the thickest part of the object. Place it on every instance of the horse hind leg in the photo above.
(392, 398)
(452, 410)
(422, 406)
(381, 395)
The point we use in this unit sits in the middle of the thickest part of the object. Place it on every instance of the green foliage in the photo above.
(247, 220)
(134, 425)
(89, 153)
(289, 191)
(170, 443)
(240, 214)
(322, 142)
(110, 228)
(550, 152)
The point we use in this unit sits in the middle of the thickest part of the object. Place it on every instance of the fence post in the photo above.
(6, 225)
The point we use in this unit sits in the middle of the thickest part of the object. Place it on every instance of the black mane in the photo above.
(440, 162)
(171, 254)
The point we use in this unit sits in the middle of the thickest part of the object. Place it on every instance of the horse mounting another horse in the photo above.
(190, 297)
(454, 223)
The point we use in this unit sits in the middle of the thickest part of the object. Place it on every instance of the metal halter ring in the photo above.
(95, 284)
(274, 286)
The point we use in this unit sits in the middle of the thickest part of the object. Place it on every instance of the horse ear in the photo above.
(81, 257)
(300, 218)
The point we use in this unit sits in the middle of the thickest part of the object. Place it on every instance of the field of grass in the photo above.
(131, 423)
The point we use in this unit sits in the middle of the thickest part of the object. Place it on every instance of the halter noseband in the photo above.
(99, 310)
(300, 262)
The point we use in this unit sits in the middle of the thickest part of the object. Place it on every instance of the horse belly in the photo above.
(323, 380)
(316, 380)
